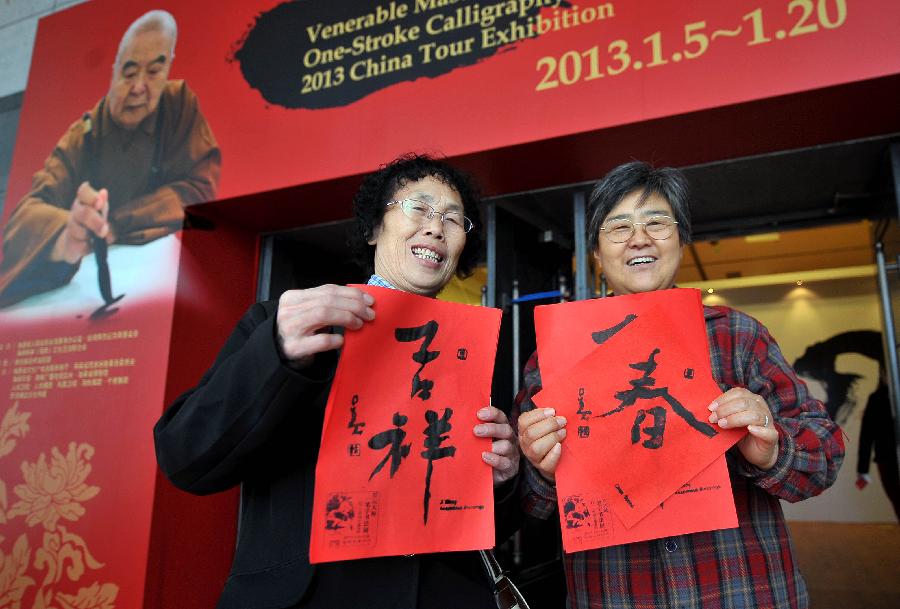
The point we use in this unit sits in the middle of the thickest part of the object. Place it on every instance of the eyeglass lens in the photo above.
(621, 230)
(421, 211)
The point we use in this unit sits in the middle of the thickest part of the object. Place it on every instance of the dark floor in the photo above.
(849, 565)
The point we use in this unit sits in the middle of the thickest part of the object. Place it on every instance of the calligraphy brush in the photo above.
(101, 253)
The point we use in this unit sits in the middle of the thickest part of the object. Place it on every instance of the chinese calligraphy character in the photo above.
(642, 389)
(585, 414)
(433, 439)
(422, 356)
(394, 438)
(655, 431)
(356, 427)
(601, 336)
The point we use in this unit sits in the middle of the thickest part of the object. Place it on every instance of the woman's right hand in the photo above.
(540, 435)
(305, 318)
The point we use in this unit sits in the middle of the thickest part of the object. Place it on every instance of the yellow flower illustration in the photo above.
(13, 581)
(96, 597)
(63, 548)
(14, 425)
(55, 490)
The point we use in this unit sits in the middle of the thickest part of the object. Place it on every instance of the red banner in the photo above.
(466, 80)
(295, 93)
(78, 400)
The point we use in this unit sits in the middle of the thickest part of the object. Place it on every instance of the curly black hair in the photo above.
(378, 189)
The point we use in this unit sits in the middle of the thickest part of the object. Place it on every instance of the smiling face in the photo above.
(640, 264)
(419, 257)
(139, 78)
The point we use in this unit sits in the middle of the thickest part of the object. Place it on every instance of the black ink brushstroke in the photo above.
(601, 336)
(654, 431)
(433, 450)
(101, 254)
(625, 497)
(271, 52)
(819, 362)
(427, 331)
(640, 391)
(394, 438)
(585, 413)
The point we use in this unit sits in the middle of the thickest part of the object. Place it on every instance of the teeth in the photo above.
(641, 260)
(426, 254)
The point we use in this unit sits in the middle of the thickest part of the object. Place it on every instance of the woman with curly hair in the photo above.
(255, 418)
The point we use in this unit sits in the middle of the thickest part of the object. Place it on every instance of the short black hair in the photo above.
(378, 189)
(667, 182)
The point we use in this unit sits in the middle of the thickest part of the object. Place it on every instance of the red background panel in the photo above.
(490, 105)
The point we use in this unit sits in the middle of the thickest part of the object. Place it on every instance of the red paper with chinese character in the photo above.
(607, 335)
(704, 503)
(399, 469)
(637, 406)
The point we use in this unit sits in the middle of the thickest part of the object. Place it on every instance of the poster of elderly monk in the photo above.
(120, 175)
(91, 246)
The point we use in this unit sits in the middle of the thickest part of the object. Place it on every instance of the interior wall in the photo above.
(799, 316)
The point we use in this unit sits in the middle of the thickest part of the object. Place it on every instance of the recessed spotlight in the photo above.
(799, 282)
(710, 291)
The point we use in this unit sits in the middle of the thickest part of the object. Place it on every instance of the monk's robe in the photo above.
(152, 172)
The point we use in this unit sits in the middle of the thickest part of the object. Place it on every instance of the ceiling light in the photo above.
(763, 238)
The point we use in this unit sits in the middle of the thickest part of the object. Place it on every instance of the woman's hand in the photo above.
(740, 407)
(504, 454)
(540, 435)
(305, 316)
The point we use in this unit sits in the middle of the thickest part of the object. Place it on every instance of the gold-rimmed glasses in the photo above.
(421, 212)
(621, 230)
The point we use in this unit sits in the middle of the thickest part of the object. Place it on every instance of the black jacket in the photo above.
(255, 422)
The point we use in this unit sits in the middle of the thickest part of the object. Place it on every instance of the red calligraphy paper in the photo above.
(639, 417)
(399, 469)
(704, 503)
(567, 334)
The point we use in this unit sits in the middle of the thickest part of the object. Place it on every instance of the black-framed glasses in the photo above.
(421, 212)
(621, 230)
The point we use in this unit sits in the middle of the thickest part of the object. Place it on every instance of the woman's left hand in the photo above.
(504, 455)
(739, 407)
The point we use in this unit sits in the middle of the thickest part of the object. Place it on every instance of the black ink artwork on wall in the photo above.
(819, 362)
(324, 54)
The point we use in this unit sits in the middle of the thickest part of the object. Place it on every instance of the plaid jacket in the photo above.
(750, 567)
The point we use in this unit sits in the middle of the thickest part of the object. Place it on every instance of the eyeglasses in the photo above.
(622, 229)
(421, 212)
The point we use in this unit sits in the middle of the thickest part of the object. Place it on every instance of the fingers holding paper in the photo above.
(739, 407)
(504, 454)
(540, 435)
